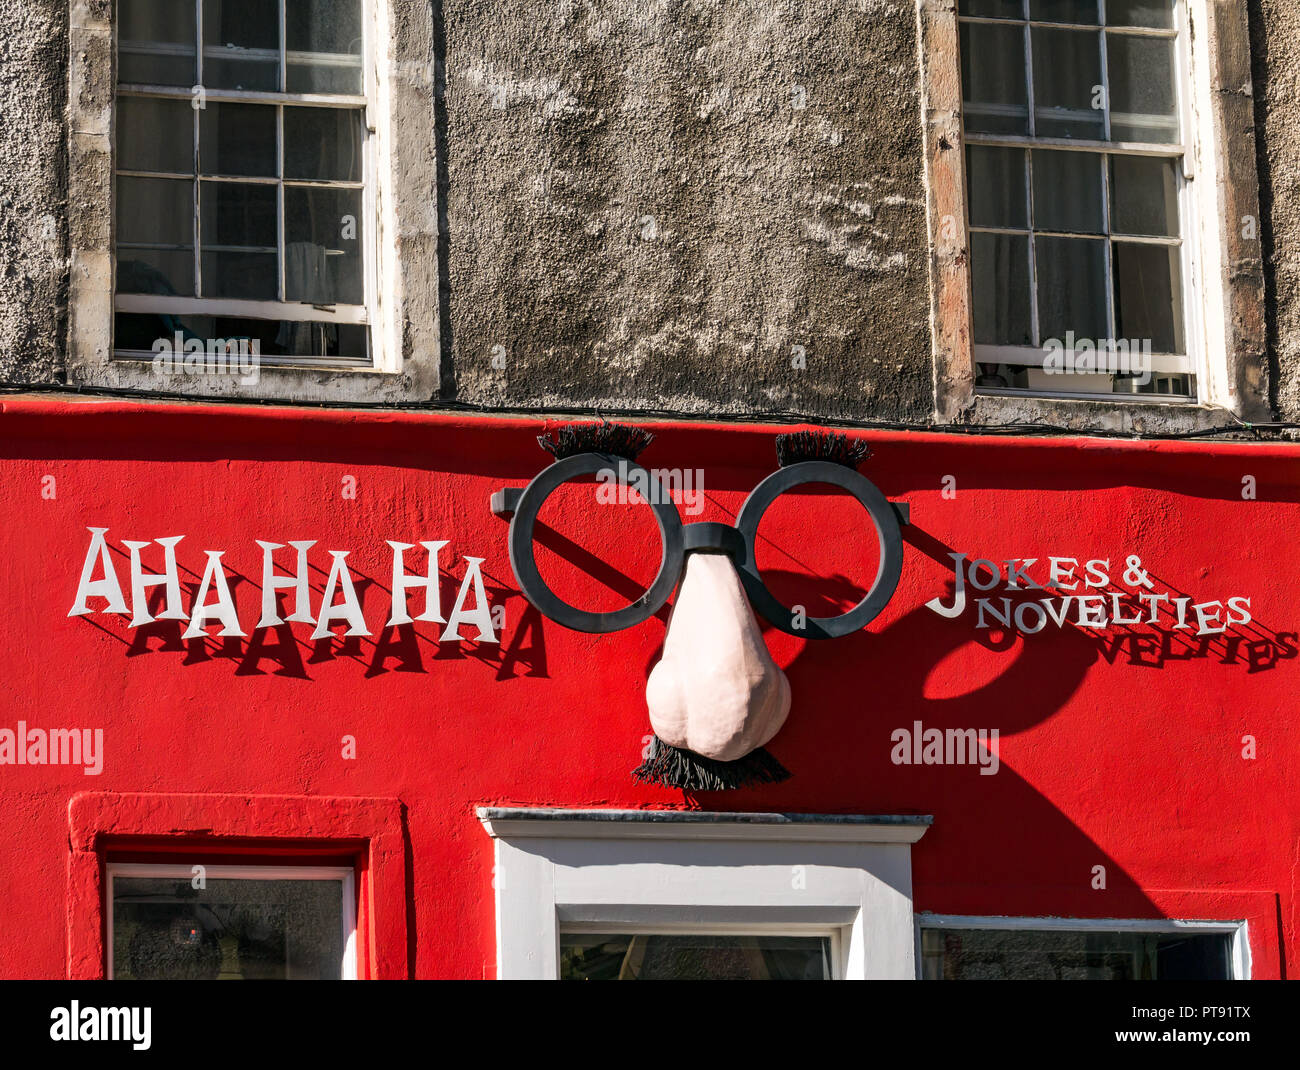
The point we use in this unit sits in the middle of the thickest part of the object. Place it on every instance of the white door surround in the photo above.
(845, 875)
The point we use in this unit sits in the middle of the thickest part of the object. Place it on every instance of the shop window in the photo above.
(190, 923)
(243, 177)
(1022, 950)
(658, 895)
(694, 957)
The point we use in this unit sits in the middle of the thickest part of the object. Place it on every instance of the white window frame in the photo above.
(625, 871)
(363, 314)
(244, 872)
(1191, 362)
(402, 275)
(1239, 959)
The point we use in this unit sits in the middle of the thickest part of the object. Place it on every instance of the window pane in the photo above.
(1022, 954)
(323, 246)
(327, 37)
(1129, 377)
(246, 276)
(155, 211)
(993, 78)
(322, 144)
(1082, 12)
(137, 331)
(241, 44)
(237, 139)
(155, 42)
(1160, 383)
(156, 271)
(1156, 13)
(274, 338)
(996, 180)
(155, 135)
(163, 929)
(1000, 284)
(992, 9)
(1068, 191)
(692, 957)
(1144, 196)
(1071, 275)
(1142, 97)
(342, 341)
(1067, 81)
(234, 214)
(1148, 295)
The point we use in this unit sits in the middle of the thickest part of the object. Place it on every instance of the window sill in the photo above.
(336, 382)
(1140, 416)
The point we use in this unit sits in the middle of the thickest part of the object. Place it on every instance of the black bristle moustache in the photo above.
(617, 440)
(820, 446)
(684, 769)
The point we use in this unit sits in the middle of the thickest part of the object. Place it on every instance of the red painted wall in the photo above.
(1115, 752)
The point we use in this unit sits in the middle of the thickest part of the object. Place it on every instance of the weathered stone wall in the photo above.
(652, 203)
(655, 204)
(1274, 32)
(33, 188)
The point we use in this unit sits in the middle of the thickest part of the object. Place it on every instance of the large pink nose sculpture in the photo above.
(716, 691)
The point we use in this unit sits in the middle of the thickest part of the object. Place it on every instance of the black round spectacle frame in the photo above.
(678, 540)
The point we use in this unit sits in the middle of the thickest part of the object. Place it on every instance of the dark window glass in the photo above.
(322, 233)
(164, 929)
(1080, 12)
(1051, 955)
(996, 178)
(1071, 275)
(237, 139)
(241, 44)
(322, 144)
(1148, 295)
(325, 45)
(156, 42)
(1068, 191)
(1144, 196)
(1157, 14)
(1068, 100)
(1142, 97)
(993, 78)
(1000, 278)
(155, 135)
(275, 338)
(693, 957)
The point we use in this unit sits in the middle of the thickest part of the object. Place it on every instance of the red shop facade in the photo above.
(1065, 746)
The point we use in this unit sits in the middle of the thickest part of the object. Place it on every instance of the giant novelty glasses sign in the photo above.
(704, 537)
(711, 711)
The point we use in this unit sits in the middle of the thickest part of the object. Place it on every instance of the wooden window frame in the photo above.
(1224, 308)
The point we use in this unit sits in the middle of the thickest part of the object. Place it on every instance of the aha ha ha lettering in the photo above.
(214, 604)
(1095, 605)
